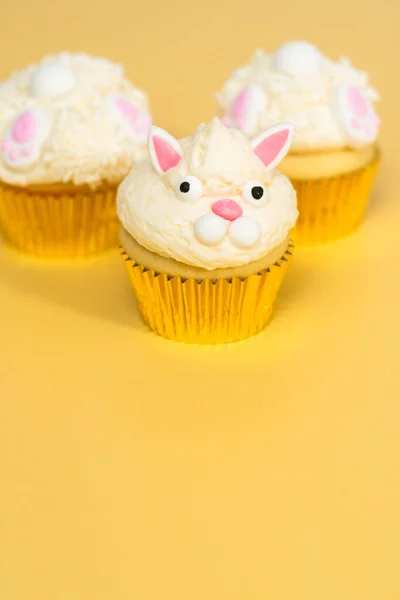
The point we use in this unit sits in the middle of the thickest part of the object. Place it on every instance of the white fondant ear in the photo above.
(245, 108)
(272, 145)
(165, 152)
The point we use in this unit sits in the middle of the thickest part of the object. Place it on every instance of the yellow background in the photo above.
(136, 468)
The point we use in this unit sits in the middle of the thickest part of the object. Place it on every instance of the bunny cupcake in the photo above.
(205, 231)
(334, 157)
(71, 128)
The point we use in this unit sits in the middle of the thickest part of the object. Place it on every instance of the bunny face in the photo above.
(212, 200)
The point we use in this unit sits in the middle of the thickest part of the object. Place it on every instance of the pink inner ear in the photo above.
(238, 106)
(269, 148)
(167, 156)
(357, 102)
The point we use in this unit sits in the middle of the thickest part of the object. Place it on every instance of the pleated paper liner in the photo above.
(207, 311)
(332, 208)
(58, 223)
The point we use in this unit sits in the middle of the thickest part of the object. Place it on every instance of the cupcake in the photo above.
(205, 231)
(334, 156)
(71, 128)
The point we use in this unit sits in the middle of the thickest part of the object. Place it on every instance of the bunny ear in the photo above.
(273, 144)
(164, 150)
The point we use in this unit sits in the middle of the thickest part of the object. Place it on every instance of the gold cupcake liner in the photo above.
(59, 224)
(207, 311)
(332, 208)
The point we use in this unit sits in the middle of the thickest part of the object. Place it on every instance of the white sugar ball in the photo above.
(245, 232)
(210, 229)
(297, 58)
(52, 80)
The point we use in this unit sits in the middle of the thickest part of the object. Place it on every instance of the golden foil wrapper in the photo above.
(59, 223)
(207, 311)
(333, 207)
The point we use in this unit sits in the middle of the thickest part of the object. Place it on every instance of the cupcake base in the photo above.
(333, 207)
(206, 311)
(59, 221)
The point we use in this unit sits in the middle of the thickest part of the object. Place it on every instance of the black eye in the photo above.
(257, 192)
(189, 188)
(184, 187)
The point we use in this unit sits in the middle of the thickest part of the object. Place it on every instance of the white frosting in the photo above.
(224, 161)
(300, 86)
(92, 139)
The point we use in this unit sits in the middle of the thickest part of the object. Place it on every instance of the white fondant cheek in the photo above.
(245, 232)
(210, 230)
(52, 80)
(355, 114)
(297, 58)
(22, 145)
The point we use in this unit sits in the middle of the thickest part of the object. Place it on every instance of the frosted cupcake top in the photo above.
(71, 118)
(212, 200)
(329, 103)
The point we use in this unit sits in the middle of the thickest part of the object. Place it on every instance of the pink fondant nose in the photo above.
(227, 209)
